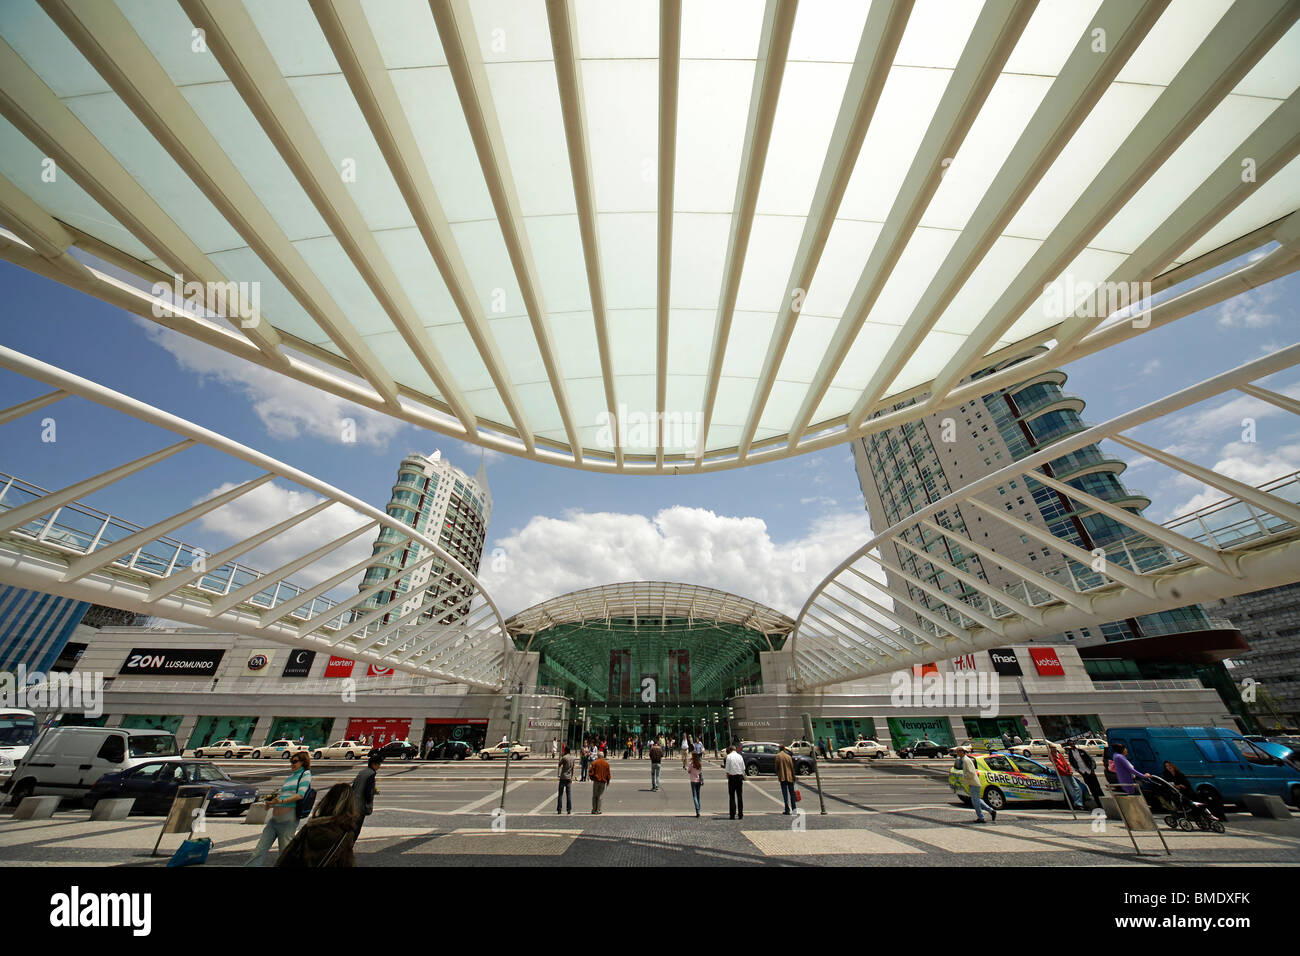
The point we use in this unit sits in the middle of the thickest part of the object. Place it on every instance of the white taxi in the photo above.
(516, 751)
(342, 749)
(229, 749)
(280, 748)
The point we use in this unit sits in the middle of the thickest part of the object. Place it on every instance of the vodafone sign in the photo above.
(1047, 662)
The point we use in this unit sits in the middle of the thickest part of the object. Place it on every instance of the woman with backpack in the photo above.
(327, 838)
(282, 821)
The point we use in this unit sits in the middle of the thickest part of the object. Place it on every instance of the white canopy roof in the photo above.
(513, 221)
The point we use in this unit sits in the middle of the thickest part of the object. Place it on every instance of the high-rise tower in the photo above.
(441, 502)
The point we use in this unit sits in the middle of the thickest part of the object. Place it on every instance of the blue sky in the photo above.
(768, 531)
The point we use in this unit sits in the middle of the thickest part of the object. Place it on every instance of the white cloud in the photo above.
(272, 503)
(552, 556)
(287, 408)
(1246, 462)
(1250, 310)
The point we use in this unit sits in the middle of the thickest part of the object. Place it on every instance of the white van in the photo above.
(66, 761)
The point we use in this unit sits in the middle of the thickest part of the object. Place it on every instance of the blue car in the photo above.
(153, 785)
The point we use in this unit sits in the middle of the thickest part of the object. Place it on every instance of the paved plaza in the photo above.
(899, 814)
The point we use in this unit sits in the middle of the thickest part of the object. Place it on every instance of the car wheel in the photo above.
(22, 790)
(1211, 798)
(994, 798)
(198, 753)
(1295, 796)
(751, 770)
(316, 755)
(229, 754)
(256, 755)
(516, 756)
(288, 755)
(848, 756)
(460, 756)
(351, 755)
(964, 799)
(803, 770)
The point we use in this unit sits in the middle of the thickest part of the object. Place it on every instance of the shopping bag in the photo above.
(191, 852)
(798, 795)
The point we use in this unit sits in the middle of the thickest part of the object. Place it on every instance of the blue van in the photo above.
(1221, 765)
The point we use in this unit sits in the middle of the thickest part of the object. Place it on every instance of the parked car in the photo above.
(761, 758)
(1005, 777)
(450, 750)
(224, 748)
(1036, 747)
(1095, 746)
(516, 751)
(153, 786)
(66, 761)
(397, 750)
(1221, 765)
(863, 748)
(280, 748)
(923, 748)
(344, 749)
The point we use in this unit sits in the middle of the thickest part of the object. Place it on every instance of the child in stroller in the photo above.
(1183, 811)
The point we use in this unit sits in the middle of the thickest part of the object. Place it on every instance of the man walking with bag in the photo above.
(600, 776)
(735, 767)
(785, 774)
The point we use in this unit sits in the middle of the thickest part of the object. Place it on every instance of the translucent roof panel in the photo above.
(492, 176)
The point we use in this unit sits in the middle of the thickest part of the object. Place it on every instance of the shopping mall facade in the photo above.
(635, 658)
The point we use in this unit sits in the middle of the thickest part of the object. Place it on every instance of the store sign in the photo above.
(920, 670)
(1005, 661)
(373, 671)
(964, 663)
(258, 664)
(1047, 662)
(153, 662)
(543, 723)
(753, 723)
(340, 667)
(299, 663)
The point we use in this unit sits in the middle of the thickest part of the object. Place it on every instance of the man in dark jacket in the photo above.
(364, 791)
(1086, 767)
(656, 760)
(565, 794)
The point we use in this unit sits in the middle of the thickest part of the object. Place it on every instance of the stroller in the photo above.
(1183, 811)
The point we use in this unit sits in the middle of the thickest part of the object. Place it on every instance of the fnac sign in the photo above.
(1047, 662)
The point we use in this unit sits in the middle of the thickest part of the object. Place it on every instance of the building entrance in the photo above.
(616, 725)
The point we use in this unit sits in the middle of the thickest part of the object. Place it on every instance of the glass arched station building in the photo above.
(649, 657)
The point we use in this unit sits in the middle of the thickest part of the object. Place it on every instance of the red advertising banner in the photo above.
(339, 667)
(620, 675)
(679, 672)
(920, 670)
(373, 671)
(378, 731)
(1047, 662)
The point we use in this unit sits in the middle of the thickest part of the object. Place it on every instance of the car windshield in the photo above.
(1027, 766)
(17, 730)
(152, 745)
(206, 773)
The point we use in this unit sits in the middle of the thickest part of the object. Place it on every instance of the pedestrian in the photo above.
(656, 765)
(282, 821)
(1125, 772)
(505, 739)
(566, 781)
(699, 747)
(600, 778)
(640, 747)
(696, 770)
(1016, 741)
(735, 767)
(686, 749)
(364, 790)
(821, 747)
(327, 838)
(1006, 740)
(1178, 779)
(1073, 786)
(555, 747)
(970, 776)
(785, 774)
(586, 759)
(1086, 768)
